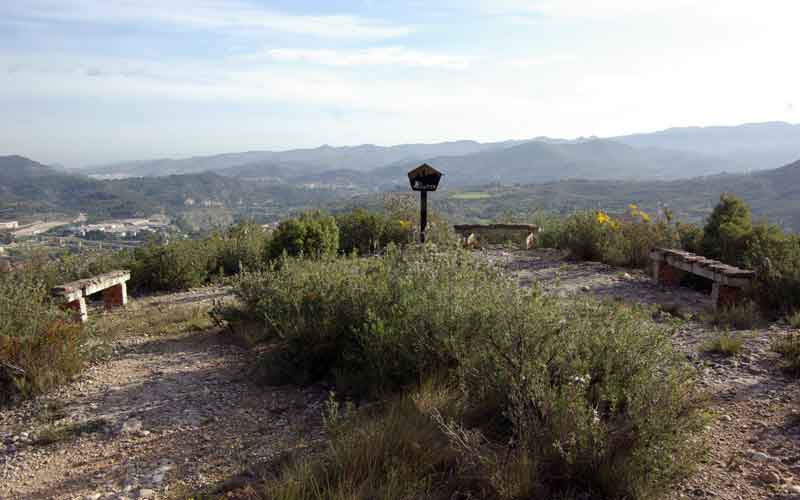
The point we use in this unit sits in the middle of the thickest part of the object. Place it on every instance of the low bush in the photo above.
(365, 232)
(725, 344)
(591, 394)
(240, 248)
(736, 317)
(625, 241)
(789, 348)
(313, 235)
(794, 319)
(178, 265)
(775, 258)
(39, 347)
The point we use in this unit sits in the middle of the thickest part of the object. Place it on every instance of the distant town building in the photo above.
(9, 225)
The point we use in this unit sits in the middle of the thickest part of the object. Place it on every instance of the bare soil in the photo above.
(162, 417)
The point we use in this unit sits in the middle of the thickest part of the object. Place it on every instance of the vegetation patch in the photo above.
(725, 344)
(67, 432)
(39, 346)
(530, 396)
(789, 349)
(737, 317)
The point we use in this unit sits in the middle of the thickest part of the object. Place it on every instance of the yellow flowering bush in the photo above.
(624, 241)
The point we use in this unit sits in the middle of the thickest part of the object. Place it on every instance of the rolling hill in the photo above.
(755, 146)
(537, 161)
(302, 161)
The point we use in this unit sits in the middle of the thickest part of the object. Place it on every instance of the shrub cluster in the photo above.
(590, 394)
(625, 241)
(729, 235)
(313, 234)
(366, 232)
(39, 347)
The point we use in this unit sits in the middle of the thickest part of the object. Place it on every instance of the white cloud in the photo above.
(374, 56)
(227, 16)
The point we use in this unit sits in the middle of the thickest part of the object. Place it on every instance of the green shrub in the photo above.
(240, 248)
(313, 234)
(725, 344)
(794, 319)
(360, 231)
(625, 241)
(775, 258)
(789, 348)
(592, 394)
(689, 237)
(738, 316)
(178, 265)
(368, 322)
(38, 347)
(584, 238)
(366, 232)
(725, 234)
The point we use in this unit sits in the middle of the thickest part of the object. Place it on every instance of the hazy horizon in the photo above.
(90, 82)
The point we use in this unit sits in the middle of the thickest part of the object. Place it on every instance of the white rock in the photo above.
(758, 456)
(131, 426)
(147, 493)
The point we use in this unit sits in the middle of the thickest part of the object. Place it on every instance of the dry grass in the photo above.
(154, 320)
(789, 348)
(736, 317)
(725, 343)
(67, 432)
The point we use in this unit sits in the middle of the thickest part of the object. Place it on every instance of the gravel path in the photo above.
(754, 438)
(162, 417)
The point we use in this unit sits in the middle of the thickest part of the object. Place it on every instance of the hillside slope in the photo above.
(754, 145)
(27, 186)
(301, 161)
(537, 161)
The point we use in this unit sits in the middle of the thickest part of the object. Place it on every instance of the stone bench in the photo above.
(72, 296)
(472, 234)
(729, 283)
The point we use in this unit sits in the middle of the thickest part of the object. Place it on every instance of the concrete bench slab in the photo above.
(73, 295)
(730, 283)
(471, 234)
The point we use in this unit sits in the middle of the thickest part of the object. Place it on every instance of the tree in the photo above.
(313, 234)
(726, 232)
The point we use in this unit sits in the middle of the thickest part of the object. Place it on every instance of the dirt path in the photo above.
(754, 438)
(162, 417)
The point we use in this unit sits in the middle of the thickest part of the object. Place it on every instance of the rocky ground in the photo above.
(164, 416)
(169, 413)
(754, 437)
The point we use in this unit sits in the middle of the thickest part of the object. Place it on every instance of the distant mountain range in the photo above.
(28, 187)
(755, 146)
(669, 154)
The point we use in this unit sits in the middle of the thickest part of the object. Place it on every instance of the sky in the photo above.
(98, 81)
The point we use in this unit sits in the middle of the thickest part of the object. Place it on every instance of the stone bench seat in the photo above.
(471, 234)
(730, 283)
(73, 295)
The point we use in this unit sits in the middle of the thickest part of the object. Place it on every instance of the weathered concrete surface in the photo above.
(472, 234)
(730, 282)
(113, 285)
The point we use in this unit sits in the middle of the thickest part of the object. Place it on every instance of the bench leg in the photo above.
(79, 307)
(665, 274)
(725, 296)
(116, 296)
